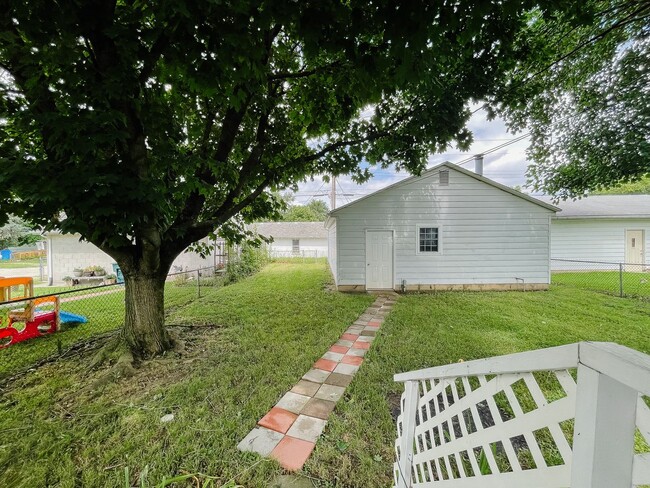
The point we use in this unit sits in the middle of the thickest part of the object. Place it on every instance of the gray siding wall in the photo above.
(592, 240)
(332, 250)
(487, 236)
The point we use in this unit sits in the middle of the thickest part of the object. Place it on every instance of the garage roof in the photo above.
(291, 230)
(604, 206)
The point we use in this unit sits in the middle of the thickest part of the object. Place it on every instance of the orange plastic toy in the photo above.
(36, 319)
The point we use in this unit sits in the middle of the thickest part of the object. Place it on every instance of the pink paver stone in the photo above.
(361, 345)
(292, 453)
(278, 419)
(356, 360)
(325, 364)
(349, 337)
(339, 349)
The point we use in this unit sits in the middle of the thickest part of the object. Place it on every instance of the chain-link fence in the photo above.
(621, 279)
(43, 323)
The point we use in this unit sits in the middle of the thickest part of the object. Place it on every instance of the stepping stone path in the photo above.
(289, 431)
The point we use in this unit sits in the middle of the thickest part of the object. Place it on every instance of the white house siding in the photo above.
(592, 239)
(331, 249)
(66, 253)
(487, 236)
(309, 247)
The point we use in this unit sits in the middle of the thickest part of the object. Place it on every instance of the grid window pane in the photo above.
(296, 245)
(428, 239)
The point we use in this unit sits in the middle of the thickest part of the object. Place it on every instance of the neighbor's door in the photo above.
(634, 249)
(379, 260)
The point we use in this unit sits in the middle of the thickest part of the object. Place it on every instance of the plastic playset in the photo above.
(37, 317)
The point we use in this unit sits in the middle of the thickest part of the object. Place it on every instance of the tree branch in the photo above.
(159, 45)
(201, 229)
(337, 145)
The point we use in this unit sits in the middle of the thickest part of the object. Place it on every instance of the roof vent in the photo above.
(444, 177)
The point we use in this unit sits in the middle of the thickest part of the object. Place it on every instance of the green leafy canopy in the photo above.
(154, 123)
(583, 92)
(313, 211)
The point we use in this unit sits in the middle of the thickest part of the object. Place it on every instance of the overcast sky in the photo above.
(507, 166)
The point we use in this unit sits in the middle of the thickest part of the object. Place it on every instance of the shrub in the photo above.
(250, 261)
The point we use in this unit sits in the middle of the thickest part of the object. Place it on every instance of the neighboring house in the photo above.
(605, 228)
(448, 228)
(308, 239)
(65, 252)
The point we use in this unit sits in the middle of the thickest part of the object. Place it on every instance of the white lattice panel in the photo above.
(461, 426)
(475, 427)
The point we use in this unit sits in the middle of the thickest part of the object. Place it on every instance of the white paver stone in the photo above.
(260, 440)
(333, 356)
(349, 369)
(307, 428)
(316, 375)
(330, 392)
(357, 352)
(366, 338)
(293, 402)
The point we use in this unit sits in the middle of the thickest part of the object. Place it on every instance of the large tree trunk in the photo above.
(144, 320)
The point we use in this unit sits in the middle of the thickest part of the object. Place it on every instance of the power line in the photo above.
(343, 194)
(497, 148)
(316, 193)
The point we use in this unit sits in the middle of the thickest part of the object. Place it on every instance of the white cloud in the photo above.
(506, 166)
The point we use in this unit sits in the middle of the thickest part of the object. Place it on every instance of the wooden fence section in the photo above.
(570, 416)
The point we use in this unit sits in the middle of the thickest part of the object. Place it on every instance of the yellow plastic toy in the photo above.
(23, 288)
(36, 319)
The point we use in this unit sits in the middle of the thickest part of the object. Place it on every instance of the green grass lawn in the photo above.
(262, 334)
(64, 428)
(634, 284)
(430, 330)
(104, 313)
(25, 263)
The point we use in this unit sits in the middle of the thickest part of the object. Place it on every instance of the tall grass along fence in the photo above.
(57, 321)
(621, 279)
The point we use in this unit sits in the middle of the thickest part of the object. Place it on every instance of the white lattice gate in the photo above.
(511, 421)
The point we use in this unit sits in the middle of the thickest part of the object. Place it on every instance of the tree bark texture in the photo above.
(144, 321)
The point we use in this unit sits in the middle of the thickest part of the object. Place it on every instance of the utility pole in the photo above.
(333, 193)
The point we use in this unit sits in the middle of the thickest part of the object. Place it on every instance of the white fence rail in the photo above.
(304, 254)
(523, 420)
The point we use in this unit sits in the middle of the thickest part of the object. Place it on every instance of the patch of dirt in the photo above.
(394, 403)
(172, 367)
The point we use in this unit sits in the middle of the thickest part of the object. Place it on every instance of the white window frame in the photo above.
(295, 248)
(417, 239)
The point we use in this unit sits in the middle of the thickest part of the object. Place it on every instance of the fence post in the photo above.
(198, 283)
(620, 278)
(412, 389)
(603, 438)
